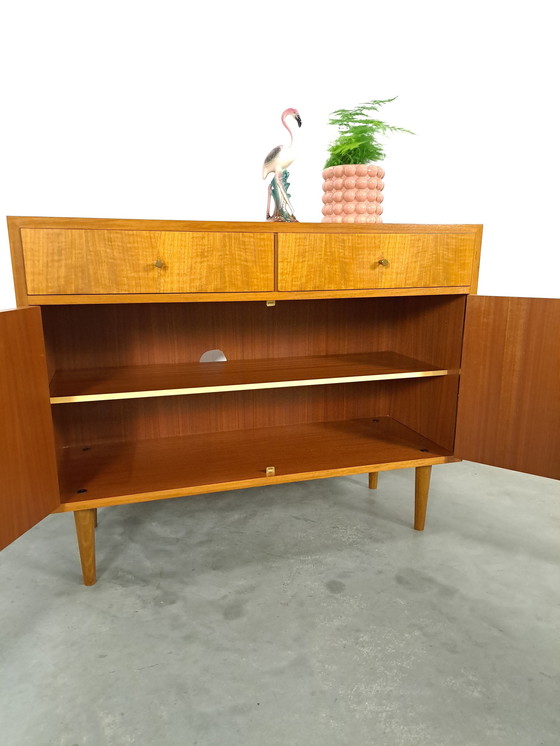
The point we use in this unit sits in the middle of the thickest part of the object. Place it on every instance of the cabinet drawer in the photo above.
(359, 262)
(84, 262)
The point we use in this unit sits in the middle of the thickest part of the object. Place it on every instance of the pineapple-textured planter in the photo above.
(353, 194)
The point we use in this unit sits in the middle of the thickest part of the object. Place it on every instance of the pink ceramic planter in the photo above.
(353, 194)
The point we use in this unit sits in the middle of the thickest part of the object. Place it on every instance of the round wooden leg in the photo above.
(85, 531)
(421, 496)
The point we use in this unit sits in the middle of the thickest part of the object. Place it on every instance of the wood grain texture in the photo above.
(143, 419)
(112, 336)
(18, 264)
(142, 381)
(509, 398)
(321, 262)
(28, 477)
(59, 271)
(162, 417)
(477, 243)
(64, 261)
(430, 409)
(424, 328)
(118, 473)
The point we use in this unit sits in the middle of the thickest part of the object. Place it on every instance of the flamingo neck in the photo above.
(289, 130)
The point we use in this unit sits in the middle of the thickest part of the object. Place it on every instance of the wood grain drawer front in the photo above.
(359, 262)
(83, 262)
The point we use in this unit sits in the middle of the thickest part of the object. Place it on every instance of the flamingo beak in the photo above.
(298, 119)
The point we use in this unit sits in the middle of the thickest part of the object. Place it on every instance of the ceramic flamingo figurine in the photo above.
(276, 162)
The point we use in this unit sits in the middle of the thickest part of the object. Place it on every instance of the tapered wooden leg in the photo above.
(423, 474)
(95, 517)
(85, 530)
(373, 480)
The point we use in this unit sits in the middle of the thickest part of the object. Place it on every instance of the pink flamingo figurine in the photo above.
(276, 162)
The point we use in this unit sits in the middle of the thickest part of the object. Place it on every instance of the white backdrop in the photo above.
(166, 109)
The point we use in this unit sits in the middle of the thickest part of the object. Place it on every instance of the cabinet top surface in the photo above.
(234, 226)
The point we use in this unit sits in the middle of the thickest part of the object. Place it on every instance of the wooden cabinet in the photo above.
(344, 349)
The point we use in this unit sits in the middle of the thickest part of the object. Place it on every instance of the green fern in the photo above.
(357, 141)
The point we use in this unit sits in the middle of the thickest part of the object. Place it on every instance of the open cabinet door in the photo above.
(28, 475)
(509, 394)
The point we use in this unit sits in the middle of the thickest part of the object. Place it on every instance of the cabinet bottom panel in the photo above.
(125, 472)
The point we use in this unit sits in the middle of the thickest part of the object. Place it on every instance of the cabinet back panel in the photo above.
(238, 410)
(426, 405)
(426, 328)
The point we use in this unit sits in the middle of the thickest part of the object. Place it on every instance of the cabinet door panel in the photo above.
(509, 396)
(28, 476)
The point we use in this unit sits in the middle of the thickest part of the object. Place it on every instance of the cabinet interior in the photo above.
(279, 393)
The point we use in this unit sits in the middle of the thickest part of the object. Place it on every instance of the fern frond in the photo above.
(358, 132)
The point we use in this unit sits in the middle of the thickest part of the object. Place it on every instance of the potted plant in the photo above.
(353, 185)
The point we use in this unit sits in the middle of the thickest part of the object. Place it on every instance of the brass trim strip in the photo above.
(245, 387)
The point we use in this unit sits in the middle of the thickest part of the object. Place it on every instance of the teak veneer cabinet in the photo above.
(350, 349)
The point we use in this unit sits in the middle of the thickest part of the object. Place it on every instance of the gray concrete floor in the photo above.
(304, 614)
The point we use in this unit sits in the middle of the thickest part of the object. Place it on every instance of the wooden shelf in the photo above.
(122, 472)
(141, 381)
